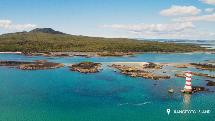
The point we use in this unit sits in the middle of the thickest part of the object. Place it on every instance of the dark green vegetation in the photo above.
(46, 30)
(47, 40)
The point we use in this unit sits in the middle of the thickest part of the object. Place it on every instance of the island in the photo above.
(182, 75)
(141, 71)
(204, 66)
(86, 67)
(199, 89)
(48, 42)
(36, 65)
(210, 83)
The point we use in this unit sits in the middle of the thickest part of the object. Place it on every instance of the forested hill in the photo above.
(49, 40)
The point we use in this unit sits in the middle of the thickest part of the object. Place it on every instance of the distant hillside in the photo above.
(46, 30)
(47, 40)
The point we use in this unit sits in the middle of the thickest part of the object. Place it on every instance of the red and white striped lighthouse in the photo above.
(188, 85)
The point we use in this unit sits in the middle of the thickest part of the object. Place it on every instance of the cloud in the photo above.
(156, 28)
(5, 23)
(182, 26)
(209, 10)
(185, 34)
(9, 25)
(210, 2)
(176, 10)
(183, 30)
(206, 18)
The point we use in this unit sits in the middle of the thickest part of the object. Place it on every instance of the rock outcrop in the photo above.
(37, 65)
(210, 83)
(40, 65)
(13, 63)
(134, 72)
(151, 65)
(203, 75)
(204, 66)
(182, 75)
(198, 89)
(86, 67)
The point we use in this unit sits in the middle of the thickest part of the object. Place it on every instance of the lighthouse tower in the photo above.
(188, 85)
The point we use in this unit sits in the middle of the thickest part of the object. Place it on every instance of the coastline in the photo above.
(95, 54)
(17, 52)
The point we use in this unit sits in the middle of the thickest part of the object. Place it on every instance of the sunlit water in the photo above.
(63, 95)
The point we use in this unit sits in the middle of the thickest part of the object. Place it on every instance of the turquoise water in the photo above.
(62, 95)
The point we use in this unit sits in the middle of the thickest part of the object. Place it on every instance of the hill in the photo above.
(46, 30)
(49, 40)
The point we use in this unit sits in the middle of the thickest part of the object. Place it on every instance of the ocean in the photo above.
(63, 95)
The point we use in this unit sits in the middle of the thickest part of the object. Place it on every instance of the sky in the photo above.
(150, 19)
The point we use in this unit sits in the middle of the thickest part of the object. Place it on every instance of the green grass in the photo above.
(46, 42)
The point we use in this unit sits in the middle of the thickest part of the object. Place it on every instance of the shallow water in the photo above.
(62, 95)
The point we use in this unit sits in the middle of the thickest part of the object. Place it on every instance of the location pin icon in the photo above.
(168, 111)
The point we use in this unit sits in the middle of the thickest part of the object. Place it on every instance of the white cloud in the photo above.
(178, 35)
(211, 2)
(5, 23)
(209, 10)
(175, 10)
(157, 28)
(184, 30)
(181, 28)
(206, 18)
(186, 34)
(9, 25)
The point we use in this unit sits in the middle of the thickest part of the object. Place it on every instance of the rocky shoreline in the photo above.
(36, 65)
(201, 66)
(40, 65)
(86, 67)
(13, 63)
(203, 75)
(204, 66)
(135, 72)
(210, 83)
(182, 75)
(83, 54)
(199, 89)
